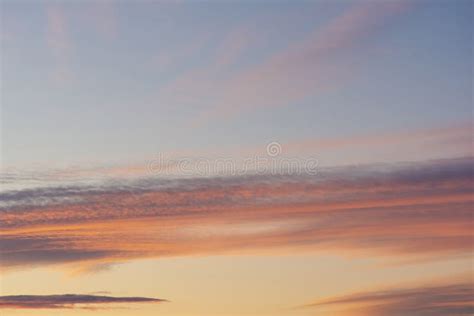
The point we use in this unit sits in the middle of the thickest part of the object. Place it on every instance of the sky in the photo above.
(236, 158)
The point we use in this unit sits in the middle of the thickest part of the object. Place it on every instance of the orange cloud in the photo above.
(405, 211)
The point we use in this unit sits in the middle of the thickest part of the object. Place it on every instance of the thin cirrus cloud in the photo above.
(454, 298)
(68, 301)
(405, 211)
(444, 138)
(59, 41)
(306, 68)
(442, 142)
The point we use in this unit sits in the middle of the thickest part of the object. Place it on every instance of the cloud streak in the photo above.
(432, 300)
(68, 301)
(59, 41)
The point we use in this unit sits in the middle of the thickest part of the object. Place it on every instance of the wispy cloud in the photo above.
(401, 210)
(67, 301)
(441, 142)
(446, 137)
(431, 300)
(59, 40)
(104, 16)
(304, 69)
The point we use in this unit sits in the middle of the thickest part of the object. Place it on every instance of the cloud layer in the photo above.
(406, 210)
(64, 301)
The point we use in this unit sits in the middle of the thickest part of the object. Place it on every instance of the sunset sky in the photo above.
(237, 158)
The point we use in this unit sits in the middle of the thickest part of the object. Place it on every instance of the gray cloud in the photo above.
(66, 301)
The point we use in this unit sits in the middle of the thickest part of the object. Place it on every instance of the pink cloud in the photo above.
(304, 69)
(59, 41)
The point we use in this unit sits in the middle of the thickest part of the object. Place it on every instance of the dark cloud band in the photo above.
(65, 301)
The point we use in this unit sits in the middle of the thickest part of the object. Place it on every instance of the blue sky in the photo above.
(99, 72)
(103, 101)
